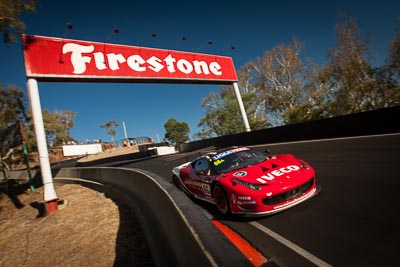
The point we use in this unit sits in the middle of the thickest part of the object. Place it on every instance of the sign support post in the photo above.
(50, 196)
(125, 134)
(241, 106)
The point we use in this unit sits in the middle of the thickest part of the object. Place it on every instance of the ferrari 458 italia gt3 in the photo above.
(241, 180)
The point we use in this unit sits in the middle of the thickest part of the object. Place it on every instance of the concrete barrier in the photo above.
(380, 121)
(178, 232)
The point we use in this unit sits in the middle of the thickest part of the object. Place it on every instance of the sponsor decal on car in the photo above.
(217, 162)
(206, 189)
(244, 197)
(228, 152)
(276, 173)
(240, 174)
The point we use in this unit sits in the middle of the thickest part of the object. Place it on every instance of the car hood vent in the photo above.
(264, 169)
(274, 165)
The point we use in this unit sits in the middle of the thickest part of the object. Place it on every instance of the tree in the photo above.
(312, 100)
(10, 12)
(176, 132)
(349, 74)
(276, 89)
(287, 85)
(387, 77)
(110, 128)
(12, 107)
(281, 88)
(393, 61)
(56, 126)
(223, 116)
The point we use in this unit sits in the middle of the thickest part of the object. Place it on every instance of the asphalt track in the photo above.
(352, 221)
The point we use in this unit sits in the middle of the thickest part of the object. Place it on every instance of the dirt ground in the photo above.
(88, 229)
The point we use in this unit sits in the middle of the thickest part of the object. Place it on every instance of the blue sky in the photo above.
(252, 27)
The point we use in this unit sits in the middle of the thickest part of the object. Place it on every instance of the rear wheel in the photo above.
(220, 199)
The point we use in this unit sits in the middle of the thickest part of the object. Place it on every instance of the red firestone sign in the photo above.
(58, 59)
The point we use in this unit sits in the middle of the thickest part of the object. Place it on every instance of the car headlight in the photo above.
(247, 184)
(304, 166)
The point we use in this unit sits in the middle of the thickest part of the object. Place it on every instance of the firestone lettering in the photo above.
(82, 55)
(276, 173)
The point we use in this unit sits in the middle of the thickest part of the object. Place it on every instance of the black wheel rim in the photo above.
(220, 200)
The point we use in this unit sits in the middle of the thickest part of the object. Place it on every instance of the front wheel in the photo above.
(176, 182)
(220, 199)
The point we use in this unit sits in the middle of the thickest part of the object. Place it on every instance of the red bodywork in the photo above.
(273, 185)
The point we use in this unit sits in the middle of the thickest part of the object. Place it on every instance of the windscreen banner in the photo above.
(58, 59)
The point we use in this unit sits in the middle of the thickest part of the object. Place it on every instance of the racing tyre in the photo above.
(220, 199)
(176, 182)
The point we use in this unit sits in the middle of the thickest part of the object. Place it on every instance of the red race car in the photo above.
(241, 180)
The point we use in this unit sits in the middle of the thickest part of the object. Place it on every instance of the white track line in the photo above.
(291, 245)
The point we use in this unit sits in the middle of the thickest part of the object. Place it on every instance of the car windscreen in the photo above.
(237, 160)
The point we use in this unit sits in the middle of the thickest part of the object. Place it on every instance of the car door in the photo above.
(200, 178)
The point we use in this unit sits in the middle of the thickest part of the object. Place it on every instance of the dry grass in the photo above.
(89, 229)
